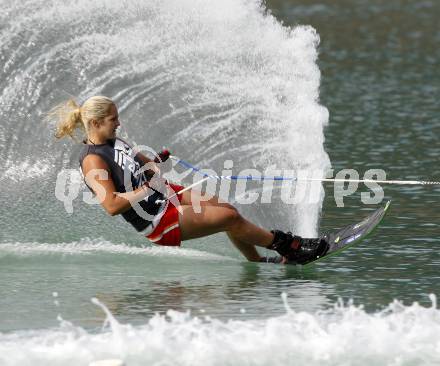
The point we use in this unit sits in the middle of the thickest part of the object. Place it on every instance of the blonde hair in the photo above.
(70, 116)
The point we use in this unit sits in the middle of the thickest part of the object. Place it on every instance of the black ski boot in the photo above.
(296, 249)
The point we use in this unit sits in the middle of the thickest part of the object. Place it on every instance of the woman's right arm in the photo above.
(98, 178)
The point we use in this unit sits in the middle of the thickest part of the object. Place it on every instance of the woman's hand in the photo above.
(163, 156)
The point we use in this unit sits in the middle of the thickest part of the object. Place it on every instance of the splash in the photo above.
(214, 81)
(342, 335)
(89, 246)
(25, 170)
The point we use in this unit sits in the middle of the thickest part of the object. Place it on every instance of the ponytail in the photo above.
(70, 116)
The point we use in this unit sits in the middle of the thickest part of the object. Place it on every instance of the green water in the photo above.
(379, 81)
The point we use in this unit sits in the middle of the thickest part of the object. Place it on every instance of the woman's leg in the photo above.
(247, 249)
(187, 197)
(216, 217)
(216, 201)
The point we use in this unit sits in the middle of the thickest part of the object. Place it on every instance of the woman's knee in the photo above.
(231, 217)
(229, 207)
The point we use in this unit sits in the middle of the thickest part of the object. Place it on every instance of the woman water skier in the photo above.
(109, 165)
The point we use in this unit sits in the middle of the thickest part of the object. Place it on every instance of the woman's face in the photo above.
(109, 124)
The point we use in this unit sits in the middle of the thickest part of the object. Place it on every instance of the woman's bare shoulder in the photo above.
(94, 161)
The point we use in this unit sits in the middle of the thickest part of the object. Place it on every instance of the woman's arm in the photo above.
(152, 166)
(144, 159)
(97, 176)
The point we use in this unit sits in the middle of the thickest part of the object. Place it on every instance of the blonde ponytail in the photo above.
(68, 119)
(70, 116)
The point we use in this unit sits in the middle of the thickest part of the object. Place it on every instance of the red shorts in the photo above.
(167, 232)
